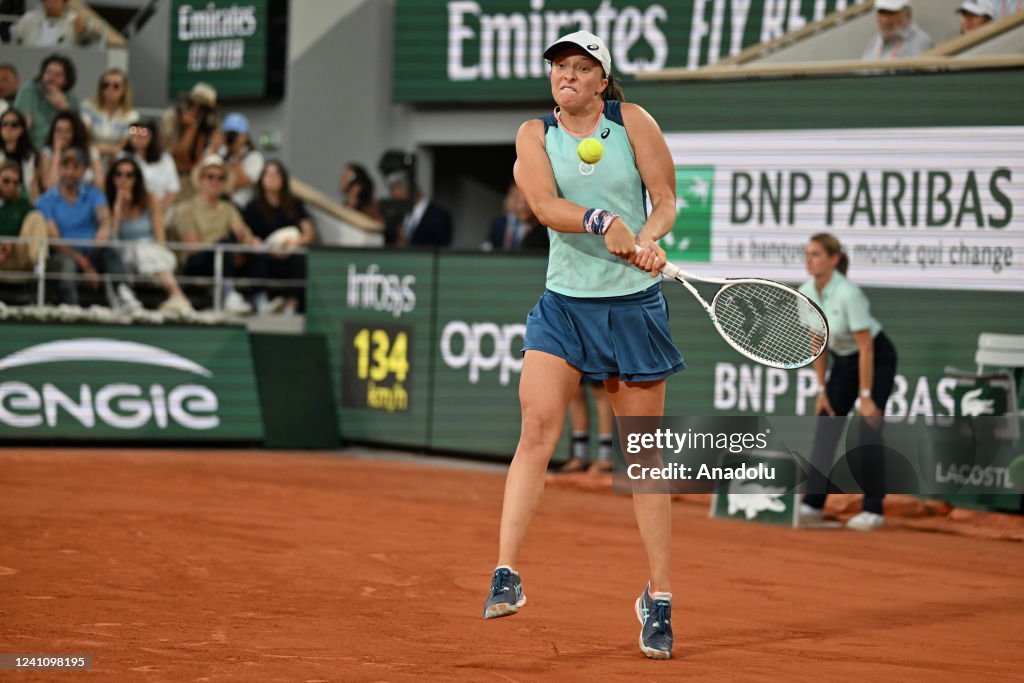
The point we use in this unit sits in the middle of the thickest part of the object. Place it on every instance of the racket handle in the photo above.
(668, 270)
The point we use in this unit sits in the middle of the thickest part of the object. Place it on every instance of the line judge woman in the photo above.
(602, 315)
(863, 366)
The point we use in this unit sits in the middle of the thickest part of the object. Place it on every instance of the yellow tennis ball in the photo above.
(590, 150)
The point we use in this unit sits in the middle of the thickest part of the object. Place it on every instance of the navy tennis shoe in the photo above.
(506, 596)
(656, 630)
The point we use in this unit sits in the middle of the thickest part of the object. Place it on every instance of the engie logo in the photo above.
(121, 405)
(482, 346)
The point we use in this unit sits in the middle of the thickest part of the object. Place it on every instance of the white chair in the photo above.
(1003, 351)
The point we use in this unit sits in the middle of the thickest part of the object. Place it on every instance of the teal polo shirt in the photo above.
(847, 311)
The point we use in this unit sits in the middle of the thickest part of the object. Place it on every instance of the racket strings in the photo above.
(771, 323)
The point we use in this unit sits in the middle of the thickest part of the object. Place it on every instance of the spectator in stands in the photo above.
(357, 192)
(898, 36)
(78, 210)
(244, 160)
(8, 86)
(55, 24)
(157, 166)
(10, 8)
(18, 219)
(108, 113)
(276, 209)
(518, 229)
(47, 95)
(187, 132)
(506, 229)
(975, 14)
(205, 220)
(427, 224)
(138, 218)
(66, 132)
(16, 146)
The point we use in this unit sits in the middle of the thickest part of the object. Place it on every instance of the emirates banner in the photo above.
(492, 50)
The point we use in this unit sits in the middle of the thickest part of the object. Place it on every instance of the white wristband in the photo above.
(865, 393)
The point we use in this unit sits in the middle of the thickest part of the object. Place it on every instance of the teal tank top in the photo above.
(134, 229)
(579, 265)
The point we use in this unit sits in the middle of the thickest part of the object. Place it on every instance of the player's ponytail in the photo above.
(614, 90)
(830, 243)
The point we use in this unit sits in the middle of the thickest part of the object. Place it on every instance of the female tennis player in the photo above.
(602, 315)
(863, 365)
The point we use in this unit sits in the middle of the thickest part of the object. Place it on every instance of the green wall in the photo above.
(464, 362)
(964, 98)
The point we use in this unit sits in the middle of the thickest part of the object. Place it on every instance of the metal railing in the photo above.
(41, 275)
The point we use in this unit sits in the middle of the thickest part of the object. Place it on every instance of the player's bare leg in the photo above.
(605, 429)
(546, 385)
(653, 511)
(654, 518)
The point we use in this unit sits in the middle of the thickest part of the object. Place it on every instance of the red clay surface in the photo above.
(264, 566)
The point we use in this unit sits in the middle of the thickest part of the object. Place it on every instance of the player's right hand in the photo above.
(619, 240)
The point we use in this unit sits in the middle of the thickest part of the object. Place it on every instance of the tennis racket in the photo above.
(765, 321)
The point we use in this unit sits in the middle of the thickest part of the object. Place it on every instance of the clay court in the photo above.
(233, 565)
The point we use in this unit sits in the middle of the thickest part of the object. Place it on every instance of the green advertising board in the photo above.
(482, 302)
(376, 309)
(758, 500)
(719, 381)
(492, 50)
(128, 383)
(443, 333)
(238, 48)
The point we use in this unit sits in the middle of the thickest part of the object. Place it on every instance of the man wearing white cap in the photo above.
(975, 14)
(898, 36)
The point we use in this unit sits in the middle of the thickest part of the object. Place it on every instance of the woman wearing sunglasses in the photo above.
(16, 146)
(137, 218)
(108, 113)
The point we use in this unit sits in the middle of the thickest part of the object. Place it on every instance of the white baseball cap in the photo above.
(586, 40)
(981, 8)
(891, 5)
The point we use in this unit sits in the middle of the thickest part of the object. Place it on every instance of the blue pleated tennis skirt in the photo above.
(622, 336)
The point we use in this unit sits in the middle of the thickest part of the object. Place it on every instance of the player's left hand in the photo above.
(651, 258)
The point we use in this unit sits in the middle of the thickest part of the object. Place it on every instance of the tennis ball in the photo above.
(590, 150)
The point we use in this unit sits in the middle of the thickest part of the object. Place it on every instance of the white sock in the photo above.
(661, 596)
(505, 566)
(581, 445)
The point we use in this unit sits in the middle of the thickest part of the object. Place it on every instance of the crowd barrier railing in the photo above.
(41, 275)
